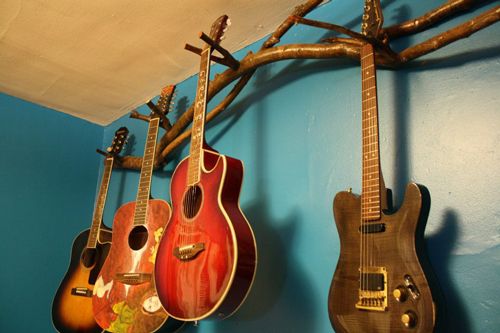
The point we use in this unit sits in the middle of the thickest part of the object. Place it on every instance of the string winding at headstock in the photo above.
(165, 102)
(219, 27)
(373, 19)
(119, 141)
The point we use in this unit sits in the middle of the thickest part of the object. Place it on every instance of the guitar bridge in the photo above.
(81, 291)
(188, 252)
(372, 294)
(133, 278)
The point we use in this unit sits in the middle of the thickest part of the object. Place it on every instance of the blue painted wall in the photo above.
(48, 175)
(297, 128)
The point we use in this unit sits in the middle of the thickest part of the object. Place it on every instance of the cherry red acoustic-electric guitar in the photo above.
(206, 260)
(124, 297)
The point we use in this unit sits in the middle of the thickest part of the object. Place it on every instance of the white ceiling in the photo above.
(97, 60)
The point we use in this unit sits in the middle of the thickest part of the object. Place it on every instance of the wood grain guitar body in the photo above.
(124, 298)
(207, 257)
(397, 241)
(72, 305)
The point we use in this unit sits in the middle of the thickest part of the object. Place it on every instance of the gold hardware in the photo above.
(373, 300)
(400, 294)
(188, 252)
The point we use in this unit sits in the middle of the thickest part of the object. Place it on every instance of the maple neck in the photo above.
(100, 202)
(142, 198)
(371, 182)
(198, 129)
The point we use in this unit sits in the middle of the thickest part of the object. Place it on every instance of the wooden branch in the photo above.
(197, 50)
(429, 19)
(340, 47)
(462, 31)
(136, 115)
(229, 60)
(329, 26)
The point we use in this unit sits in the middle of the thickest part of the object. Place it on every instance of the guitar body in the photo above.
(399, 249)
(72, 308)
(216, 280)
(129, 303)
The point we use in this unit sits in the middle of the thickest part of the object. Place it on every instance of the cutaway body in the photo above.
(124, 298)
(399, 250)
(72, 305)
(207, 257)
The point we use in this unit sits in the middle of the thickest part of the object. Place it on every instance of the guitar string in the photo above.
(363, 194)
(371, 156)
(376, 153)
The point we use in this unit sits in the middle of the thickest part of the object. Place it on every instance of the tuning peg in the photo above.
(228, 22)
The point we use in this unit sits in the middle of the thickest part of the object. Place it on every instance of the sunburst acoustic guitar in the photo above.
(72, 305)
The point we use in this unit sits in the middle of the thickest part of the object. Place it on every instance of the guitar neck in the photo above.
(198, 129)
(142, 198)
(371, 182)
(100, 202)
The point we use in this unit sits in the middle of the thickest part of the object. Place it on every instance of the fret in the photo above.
(371, 203)
(371, 159)
(365, 109)
(368, 181)
(365, 192)
(365, 89)
(369, 99)
(365, 56)
(370, 216)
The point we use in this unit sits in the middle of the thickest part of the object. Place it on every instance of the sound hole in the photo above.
(138, 237)
(192, 201)
(89, 257)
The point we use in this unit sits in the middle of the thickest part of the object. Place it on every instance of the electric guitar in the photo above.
(72, 305)
(207, 256)
(124, 298)
(379, 284)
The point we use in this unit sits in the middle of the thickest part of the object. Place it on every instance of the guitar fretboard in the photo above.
(142, 198)
(198, 129)
(100, 202)
(370, 197)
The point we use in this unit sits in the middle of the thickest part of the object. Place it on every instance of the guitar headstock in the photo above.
(372, 19)
(118, 141)
(219, 27)
(166, 97)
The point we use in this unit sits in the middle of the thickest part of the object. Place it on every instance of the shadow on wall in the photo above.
(452, 314)
(449, 304)
(280, 294)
